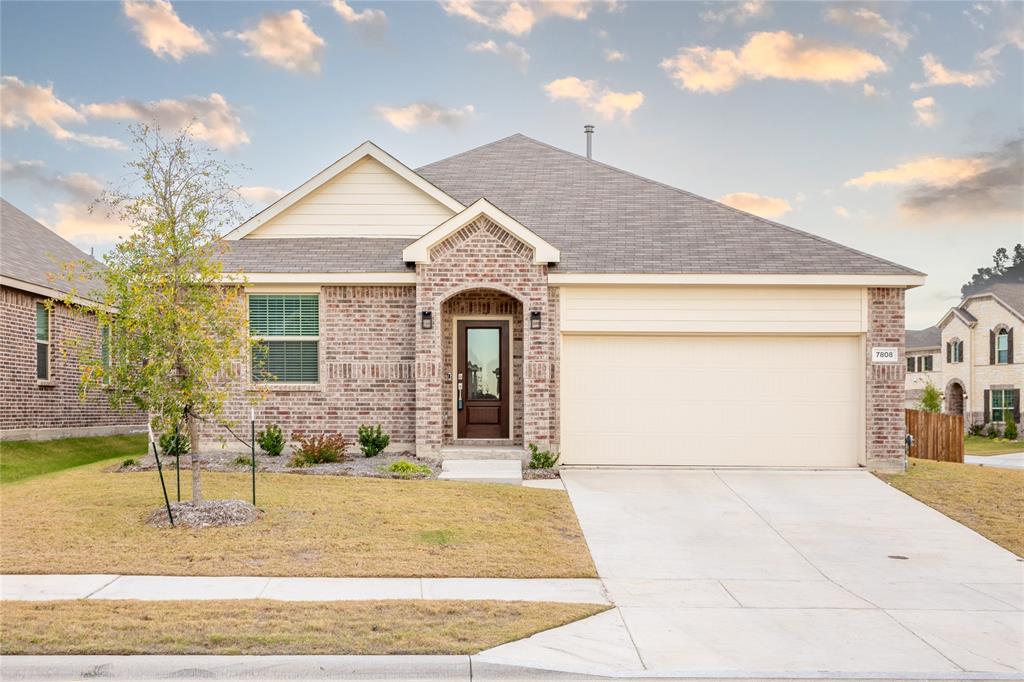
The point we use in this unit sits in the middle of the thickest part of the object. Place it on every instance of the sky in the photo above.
(894, 128)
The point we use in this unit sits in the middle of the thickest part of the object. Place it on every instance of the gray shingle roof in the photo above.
(924, 338)
(316, 254)
(29, 251)
(1011, 293)
(608, 220)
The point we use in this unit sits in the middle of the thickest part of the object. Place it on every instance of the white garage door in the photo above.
(712, 400)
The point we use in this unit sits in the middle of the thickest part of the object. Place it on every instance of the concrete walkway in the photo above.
(155, 588)
(1014, 460)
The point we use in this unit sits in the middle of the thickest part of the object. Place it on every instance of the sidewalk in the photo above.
(1013, 460)
(154, 588)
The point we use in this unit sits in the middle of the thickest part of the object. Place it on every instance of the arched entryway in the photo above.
(955, 397)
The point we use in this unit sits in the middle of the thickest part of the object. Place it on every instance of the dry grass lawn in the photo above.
(988, 500)
(84, 520)
(267, 627)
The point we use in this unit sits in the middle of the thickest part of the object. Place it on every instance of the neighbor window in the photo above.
(288, 328)
(105, 352)
(927, 363)
(919, 363)
(911, 364)
(956, 351)
(1002, 404)
(42, 342)
(1003, 347)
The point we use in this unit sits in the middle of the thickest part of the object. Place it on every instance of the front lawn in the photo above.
(985, 499)
(87, 521)
(980, 445)
(266, 627)
(28, 458)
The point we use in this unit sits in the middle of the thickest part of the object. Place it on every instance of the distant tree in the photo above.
(175, 329)
(931, 400)
(1005, 268)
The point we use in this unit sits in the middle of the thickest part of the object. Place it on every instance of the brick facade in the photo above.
(31, 409)
(884, 383)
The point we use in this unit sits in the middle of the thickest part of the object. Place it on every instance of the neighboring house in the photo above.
(517, 293)
(977, 352)
(39, 386)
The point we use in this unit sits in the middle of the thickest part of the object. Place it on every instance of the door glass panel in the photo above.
(483, 363)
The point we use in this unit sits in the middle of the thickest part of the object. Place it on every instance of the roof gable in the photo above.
(1009, 295)
(366, 193)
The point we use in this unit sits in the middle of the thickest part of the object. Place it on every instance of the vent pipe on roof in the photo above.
(588, 129)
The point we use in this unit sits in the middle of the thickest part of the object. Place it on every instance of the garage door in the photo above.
(711, 400)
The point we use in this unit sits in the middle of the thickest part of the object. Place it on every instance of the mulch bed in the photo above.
(224, 460)
(209, 514)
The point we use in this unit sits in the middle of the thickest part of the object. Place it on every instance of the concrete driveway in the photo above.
(781, 573)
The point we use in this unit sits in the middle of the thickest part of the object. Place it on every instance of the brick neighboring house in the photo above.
(974, 356)
(39, 386)
(517, 293)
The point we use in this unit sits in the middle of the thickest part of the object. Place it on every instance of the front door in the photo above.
(482, 378)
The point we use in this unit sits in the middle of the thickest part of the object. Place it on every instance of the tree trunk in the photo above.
(196, 459)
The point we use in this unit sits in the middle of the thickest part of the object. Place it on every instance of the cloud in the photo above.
(76, 223)
(735, 12)
(984, 184)
(868, 22)
(841, 211)
(779, 55)
(161, 30)
(614, 56)
(590, 95)
(284, 40)
(211, 118)
(81, 187)
(412, 116)
(372, 23)
(871, 91)
(517, 53)
(515, 18)
(937, 74)
(758, 204)
(924, 109)
(25, 104)
(259, 195)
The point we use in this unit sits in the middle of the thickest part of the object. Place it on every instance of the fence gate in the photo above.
(936, 436)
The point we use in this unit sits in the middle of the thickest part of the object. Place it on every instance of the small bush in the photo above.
(976, 429)
(1010, 428)
(931, 399)
(372, 440)
(129, 462)
(542, 459)
(243, 461)
(271, 440)
(319, 449)
(993, 430)
(174, 442)
(405, 469)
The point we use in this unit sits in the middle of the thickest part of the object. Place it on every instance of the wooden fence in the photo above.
(936, 436)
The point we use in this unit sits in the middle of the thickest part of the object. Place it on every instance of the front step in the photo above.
(483, 452)
(483, 470)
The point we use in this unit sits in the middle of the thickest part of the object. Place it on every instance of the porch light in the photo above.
(534, 319)
(426, 320)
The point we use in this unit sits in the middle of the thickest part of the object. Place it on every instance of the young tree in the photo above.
(931, 400)
(175, 329)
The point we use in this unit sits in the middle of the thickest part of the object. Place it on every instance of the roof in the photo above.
(1010, 293)
(919, 339)
(314, 254)
(606, 220)
(29, 251)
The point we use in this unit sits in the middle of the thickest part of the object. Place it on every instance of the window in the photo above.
(928, 363)
(1002, 404)
(1003, 347)
(919, 363)
(105, 352)
(955, 350)
(911, 364)
(288, 326)
(42, 342)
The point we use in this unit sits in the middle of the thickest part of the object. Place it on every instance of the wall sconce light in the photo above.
(426, 320)
(534, 319)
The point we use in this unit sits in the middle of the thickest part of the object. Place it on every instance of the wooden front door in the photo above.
(482, 379)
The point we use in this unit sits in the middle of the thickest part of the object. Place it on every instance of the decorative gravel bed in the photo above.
(205, 514)
(353, 465)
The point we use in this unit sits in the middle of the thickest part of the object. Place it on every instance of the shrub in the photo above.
(976, 429)
(1010, 428)
(243, 461)
(931, 400)
(271, 440)
(405, 469)
(372, 440)
(319, 449)
(174, 442)
(129, 462)
(542, 459)
(993, 430)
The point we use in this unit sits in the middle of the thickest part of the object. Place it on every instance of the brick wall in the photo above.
(33, 409)
(885, 384)
(367, 352)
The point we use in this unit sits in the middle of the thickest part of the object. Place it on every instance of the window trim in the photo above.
(265, 339)
(40, 305)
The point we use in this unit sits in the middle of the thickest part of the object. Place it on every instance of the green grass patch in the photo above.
(20, 460)
(982, 445)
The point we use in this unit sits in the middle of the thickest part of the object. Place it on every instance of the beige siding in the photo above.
(367, 200)
(703, 309)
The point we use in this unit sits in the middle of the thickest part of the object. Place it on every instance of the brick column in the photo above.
(885, 383)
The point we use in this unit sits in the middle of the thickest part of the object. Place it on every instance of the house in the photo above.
(974, 356)
(520, 294)
(39, 386)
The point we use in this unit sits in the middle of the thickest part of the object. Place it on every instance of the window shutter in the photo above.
(991, 347)
(1009, 346)
(1016, 404)
(949, 351)
(987, 405)
(960, 351)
